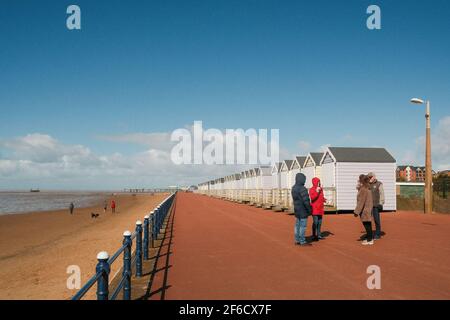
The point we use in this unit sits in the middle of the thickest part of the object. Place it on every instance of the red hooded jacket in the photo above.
(317, 198)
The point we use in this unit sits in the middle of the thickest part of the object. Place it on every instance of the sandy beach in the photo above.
(36, 248)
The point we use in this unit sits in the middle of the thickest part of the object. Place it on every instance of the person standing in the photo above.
(378, 202)
(318, 210)
(364, 205)
(105, 206)
(71, 207)
(302, 209)
(113, 206)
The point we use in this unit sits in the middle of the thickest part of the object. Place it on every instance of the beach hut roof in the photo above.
(299, 161)
(264, 170)
(287, 165)
(276, 167)
(316, 156)
(348, 154)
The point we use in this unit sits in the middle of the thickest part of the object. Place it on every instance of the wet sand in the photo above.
(36, 248)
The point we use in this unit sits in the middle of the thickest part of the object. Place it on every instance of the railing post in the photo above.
(138, 248)
(155, 227)
(127, 265)
(102, 282)
(152, 221)
(146, 238)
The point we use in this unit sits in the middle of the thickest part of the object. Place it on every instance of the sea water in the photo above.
(21, 202)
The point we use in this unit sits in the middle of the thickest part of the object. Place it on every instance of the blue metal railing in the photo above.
(150, 230)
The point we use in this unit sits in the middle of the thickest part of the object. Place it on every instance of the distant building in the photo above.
(406, 173)
(411, 174)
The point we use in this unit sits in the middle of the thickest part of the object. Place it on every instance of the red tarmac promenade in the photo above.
(223, 250)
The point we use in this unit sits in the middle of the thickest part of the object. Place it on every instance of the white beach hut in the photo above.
(295, 168)
(252, 186)
(311, 167)
(246, 185)
(285, 187)
(341, 167)
(284, 174)
(276, 175)
(276, 183)
(227, 186)
(238, 187)
(263, 184)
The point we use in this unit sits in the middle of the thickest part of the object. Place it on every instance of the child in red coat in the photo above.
(317, 204)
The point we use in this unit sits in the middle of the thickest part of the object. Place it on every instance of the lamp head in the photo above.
(417, 101)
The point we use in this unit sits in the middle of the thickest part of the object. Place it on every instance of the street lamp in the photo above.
(428, 175)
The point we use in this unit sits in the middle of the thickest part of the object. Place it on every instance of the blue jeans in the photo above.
(317, 226)
(377, 220)
(300, 229)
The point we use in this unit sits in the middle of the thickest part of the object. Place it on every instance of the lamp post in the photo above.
(428, 175)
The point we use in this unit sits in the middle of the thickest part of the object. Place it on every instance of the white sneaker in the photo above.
(367, 243)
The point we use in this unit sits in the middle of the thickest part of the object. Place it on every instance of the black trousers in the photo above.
(368, 227)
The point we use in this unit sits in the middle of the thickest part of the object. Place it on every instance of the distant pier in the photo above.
(154, 190)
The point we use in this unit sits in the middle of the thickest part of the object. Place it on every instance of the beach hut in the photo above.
(341, 167)
(252, 186)
(227, 186)
(276, 184)
(246, 186)
(285, 187)
(284, 174)
(215, 187)
(222, 188)
(263, 184)
(276, 175)
(238, 187)
(311, 167)
(296, 167)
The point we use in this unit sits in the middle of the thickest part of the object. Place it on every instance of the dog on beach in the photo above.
(94, 215)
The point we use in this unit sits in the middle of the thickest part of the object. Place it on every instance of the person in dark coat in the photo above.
(71, 207)
(302, 208)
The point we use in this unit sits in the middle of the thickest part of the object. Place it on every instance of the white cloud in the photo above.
(41, 160)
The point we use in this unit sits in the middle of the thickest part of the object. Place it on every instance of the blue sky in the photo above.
(310, 68)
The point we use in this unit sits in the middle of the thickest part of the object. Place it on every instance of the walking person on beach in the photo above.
(318, 210)
(302, 209)
(105, 206)
(71, 207)
(378, 201)
(113, 206)
(364, 206)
